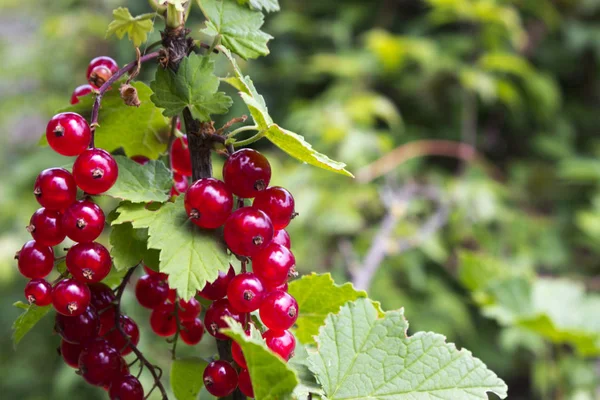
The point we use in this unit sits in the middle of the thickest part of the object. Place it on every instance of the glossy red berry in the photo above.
(220, 378)
(238, 355)
(172, 297)
(80, 329)
(35, 260)
(180, 184)
(245, 292)
(100, 70)
(181, 162)
(70, 297)
(151, 290)
(68, 134)
(163, 321)
(55, 189)
(271, 288)
(150, 271)
(189, 310)
(273, 264)
(70, 352)
(279, 311)
(104, 61)
(102, 296)
(218, 288)
(247, 231)
(278, 204)
(83, 221)
(281, 343)
(283, 238)
(38, 292)
(245, 384)
(95, 171)
(247, 173)
(107, 320)
(88, 262)
(80, 91)
(126, 387)
(142, 160)
(46, 227)
(192, 331)
(100, 363)
(213, 318)
(116, 339)
(208, 203)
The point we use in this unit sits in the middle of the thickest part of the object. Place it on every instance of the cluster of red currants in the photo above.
(99, 71)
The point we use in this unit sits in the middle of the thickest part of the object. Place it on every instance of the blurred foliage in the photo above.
(511, 274)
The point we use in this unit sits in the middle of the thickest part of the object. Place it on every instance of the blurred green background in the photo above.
(497, 251)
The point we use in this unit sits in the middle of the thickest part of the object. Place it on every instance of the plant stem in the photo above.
(250, 140)
(242, 129)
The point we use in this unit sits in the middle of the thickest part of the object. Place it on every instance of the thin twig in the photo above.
(231, 122)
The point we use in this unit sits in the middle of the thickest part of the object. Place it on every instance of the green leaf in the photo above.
(27, 320)
(272, 378)
(308, 384)
(186, 377)
(190, 256)
(317, 296)
(141, 183)
(128, 245)
(362, 357)
(136, 28)
(266, 5)
(194, 85)
(238, 27)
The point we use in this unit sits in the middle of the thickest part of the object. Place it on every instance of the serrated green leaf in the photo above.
(272, 378)
(238, 26)
(141, 183)
(27, 320)
(186, 377)
(266, 5)
(362, 357)
(190, 256)
(136, 28)
(194, 85)
(308, 384)
(128, 245)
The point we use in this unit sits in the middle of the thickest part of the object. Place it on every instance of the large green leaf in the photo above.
(362, 357)
(186, 377)
(27, 320)
(136, 28)
(308, 383)
(238, 27)
(188, 254)
(266, 5)
(128, 245)
(141, 183)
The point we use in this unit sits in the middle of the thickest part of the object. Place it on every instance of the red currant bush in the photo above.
(247, 173)
(80, 91)
(208, 203)
(247, 231)
(46, 227)
(273, 264)
(70, 297)
(35, 260)
(245, 292)
(218, 288)
(279, 311)
(95, 171)
(220, 378)
(55, 189)
(68, 134)
(88, 262)
(83, 221)
(38, 292)
(278, 204)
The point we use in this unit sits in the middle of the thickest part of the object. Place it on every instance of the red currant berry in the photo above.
(102, 296)
(172, 297)
(83, 221)
(150, 271)
(142, 160)
(107, 320)
(38, 292)
(95, 171)
(247, 231)
(126, 387)
(238, 355)
(163, 321)
(220, 378)
(281, 343)
(213, 318)
(99, 76)
(245, 384)
(100, 363)
(35, 260)
(104, 61)
(218, 288)
(278, 204)
(273, 264)
(55, 189)
(279, 311)
(80, 329)
(46, 227)
(192, 331)
(151, 290)
(283, 238)
(247, 173)
(80, 91)
(70, 297)
(70, 352)
(269, 288)
(180, 184)
(181, 162)
(88, 262)
(208, 203)
(189, 310)
(68, 134)
(245, 292)
(116, 339)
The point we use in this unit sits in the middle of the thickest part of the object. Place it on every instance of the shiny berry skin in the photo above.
(35, 260)
(218, 288)
(281, 343)
(278, 204)
(70, 297)
(80, 91)
(55, 189)
(279, 311)
(99, 76)
(46, 227)
(245, 384)
(245, 292)
(220, 378)
(104, 61)
(270, 288)
(100, 363)
(151, 290)
(126, 387)
(238, 355)
(88, 262)
(180, 184)
(38, 292)
(273, 264)
(83, 221)
(142, 160)
(68, 134)
(181, 162)
(150, 271)
(283, 238)
(172, 297)
(102, 296)
(192, 331)
(70, 352)
(81, 329)
(95, 171)
(107, 320)
(116, 339)
(213, 318)
(247, 231)
(163, 321)
(208, 203)
(189, 310)
(247, 173)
